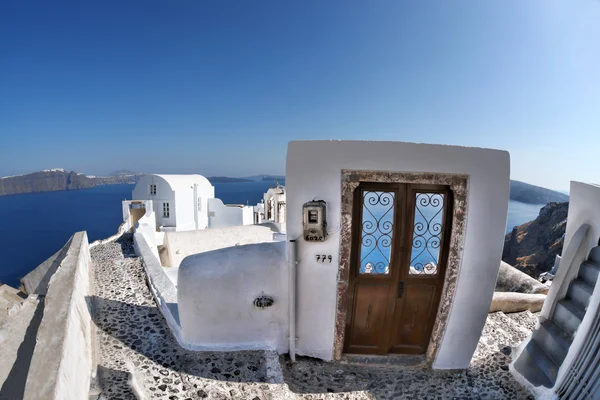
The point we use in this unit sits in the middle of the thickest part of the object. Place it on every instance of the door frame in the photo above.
(350, 180)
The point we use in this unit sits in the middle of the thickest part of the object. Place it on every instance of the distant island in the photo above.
(526, 193)
(222, 179)
(56, 179)
(60, 179)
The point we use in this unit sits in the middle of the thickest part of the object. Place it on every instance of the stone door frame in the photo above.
(350, 180)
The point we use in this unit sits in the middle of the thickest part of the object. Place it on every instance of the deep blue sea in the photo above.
(36, 225)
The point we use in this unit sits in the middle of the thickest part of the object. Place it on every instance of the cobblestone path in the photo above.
(487, 377)
(140, 358)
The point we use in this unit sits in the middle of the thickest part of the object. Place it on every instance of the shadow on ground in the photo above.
(485, 379)
(141, 330)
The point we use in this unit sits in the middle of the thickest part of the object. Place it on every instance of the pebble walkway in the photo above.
(486, 378)
(140, 359)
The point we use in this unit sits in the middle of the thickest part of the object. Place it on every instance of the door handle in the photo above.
(400, 288)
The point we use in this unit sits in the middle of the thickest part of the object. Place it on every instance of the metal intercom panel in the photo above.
(314, 221)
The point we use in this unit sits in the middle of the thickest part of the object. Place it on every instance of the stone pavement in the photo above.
(140, 358)
(487, 377)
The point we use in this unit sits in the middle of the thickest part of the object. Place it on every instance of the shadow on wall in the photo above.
(143, 330)
(14, 385)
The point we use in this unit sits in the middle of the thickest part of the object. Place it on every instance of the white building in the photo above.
(321, 301)
(180, 202)
(274, 206)
(259, 213)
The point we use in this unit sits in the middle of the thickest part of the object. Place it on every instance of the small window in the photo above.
(166, 212)
(153, 189)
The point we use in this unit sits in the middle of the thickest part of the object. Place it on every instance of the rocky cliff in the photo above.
(58, 179)
(533, 246)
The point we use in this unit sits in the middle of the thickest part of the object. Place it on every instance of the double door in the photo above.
(400, 240)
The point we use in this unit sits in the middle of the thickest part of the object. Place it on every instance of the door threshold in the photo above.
(387, 360)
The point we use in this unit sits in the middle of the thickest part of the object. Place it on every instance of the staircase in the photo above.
(543, 355)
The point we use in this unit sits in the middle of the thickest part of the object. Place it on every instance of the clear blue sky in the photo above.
(220, 87)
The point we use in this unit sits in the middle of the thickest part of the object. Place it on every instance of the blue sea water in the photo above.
(519, 213)
(36, 225)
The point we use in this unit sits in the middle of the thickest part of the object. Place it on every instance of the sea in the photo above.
(36, 225)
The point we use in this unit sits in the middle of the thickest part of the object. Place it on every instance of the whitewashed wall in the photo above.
(216, 291)
(271, 201)
(147, 227)
(184, 193)
(183, 244)
(63, 360)
(186, 200)
(141, 191)
(584, 208)
(221, 216)
(314, 171)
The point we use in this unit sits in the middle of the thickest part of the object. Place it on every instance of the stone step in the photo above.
(527, 366)
(507, 330)
(568, 315)
(589, 270)
(595, 255)
(543, 361)
(553, 340)
(580, 292)
(525, 319)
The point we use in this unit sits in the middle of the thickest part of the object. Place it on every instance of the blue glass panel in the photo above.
(427, 233)
(377, 230)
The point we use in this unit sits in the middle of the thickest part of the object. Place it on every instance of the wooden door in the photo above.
(399, 254)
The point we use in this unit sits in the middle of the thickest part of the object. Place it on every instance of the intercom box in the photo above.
(314, 221)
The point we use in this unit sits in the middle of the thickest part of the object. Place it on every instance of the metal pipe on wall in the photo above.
(292, 262)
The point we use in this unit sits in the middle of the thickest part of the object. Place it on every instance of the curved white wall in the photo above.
(221, 216)
(183, 244)
(216, 291)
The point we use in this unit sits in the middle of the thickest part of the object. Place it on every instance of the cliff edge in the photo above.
(533, 246)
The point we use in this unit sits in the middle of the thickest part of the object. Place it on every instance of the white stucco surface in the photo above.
(187, 196)
(584, 201)
(313, 171)
(13, 332)
(183, 244)
(584, 209)
(63, 360)
(216, 291)
(222, 216)
(163, 289)
(274, 206)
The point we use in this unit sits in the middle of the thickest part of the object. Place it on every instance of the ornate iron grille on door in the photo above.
(376, 232)
(427, 233)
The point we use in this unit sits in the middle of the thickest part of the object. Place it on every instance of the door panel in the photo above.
(413, 313)
(369, 318)
(400, 237)
(373, 276)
